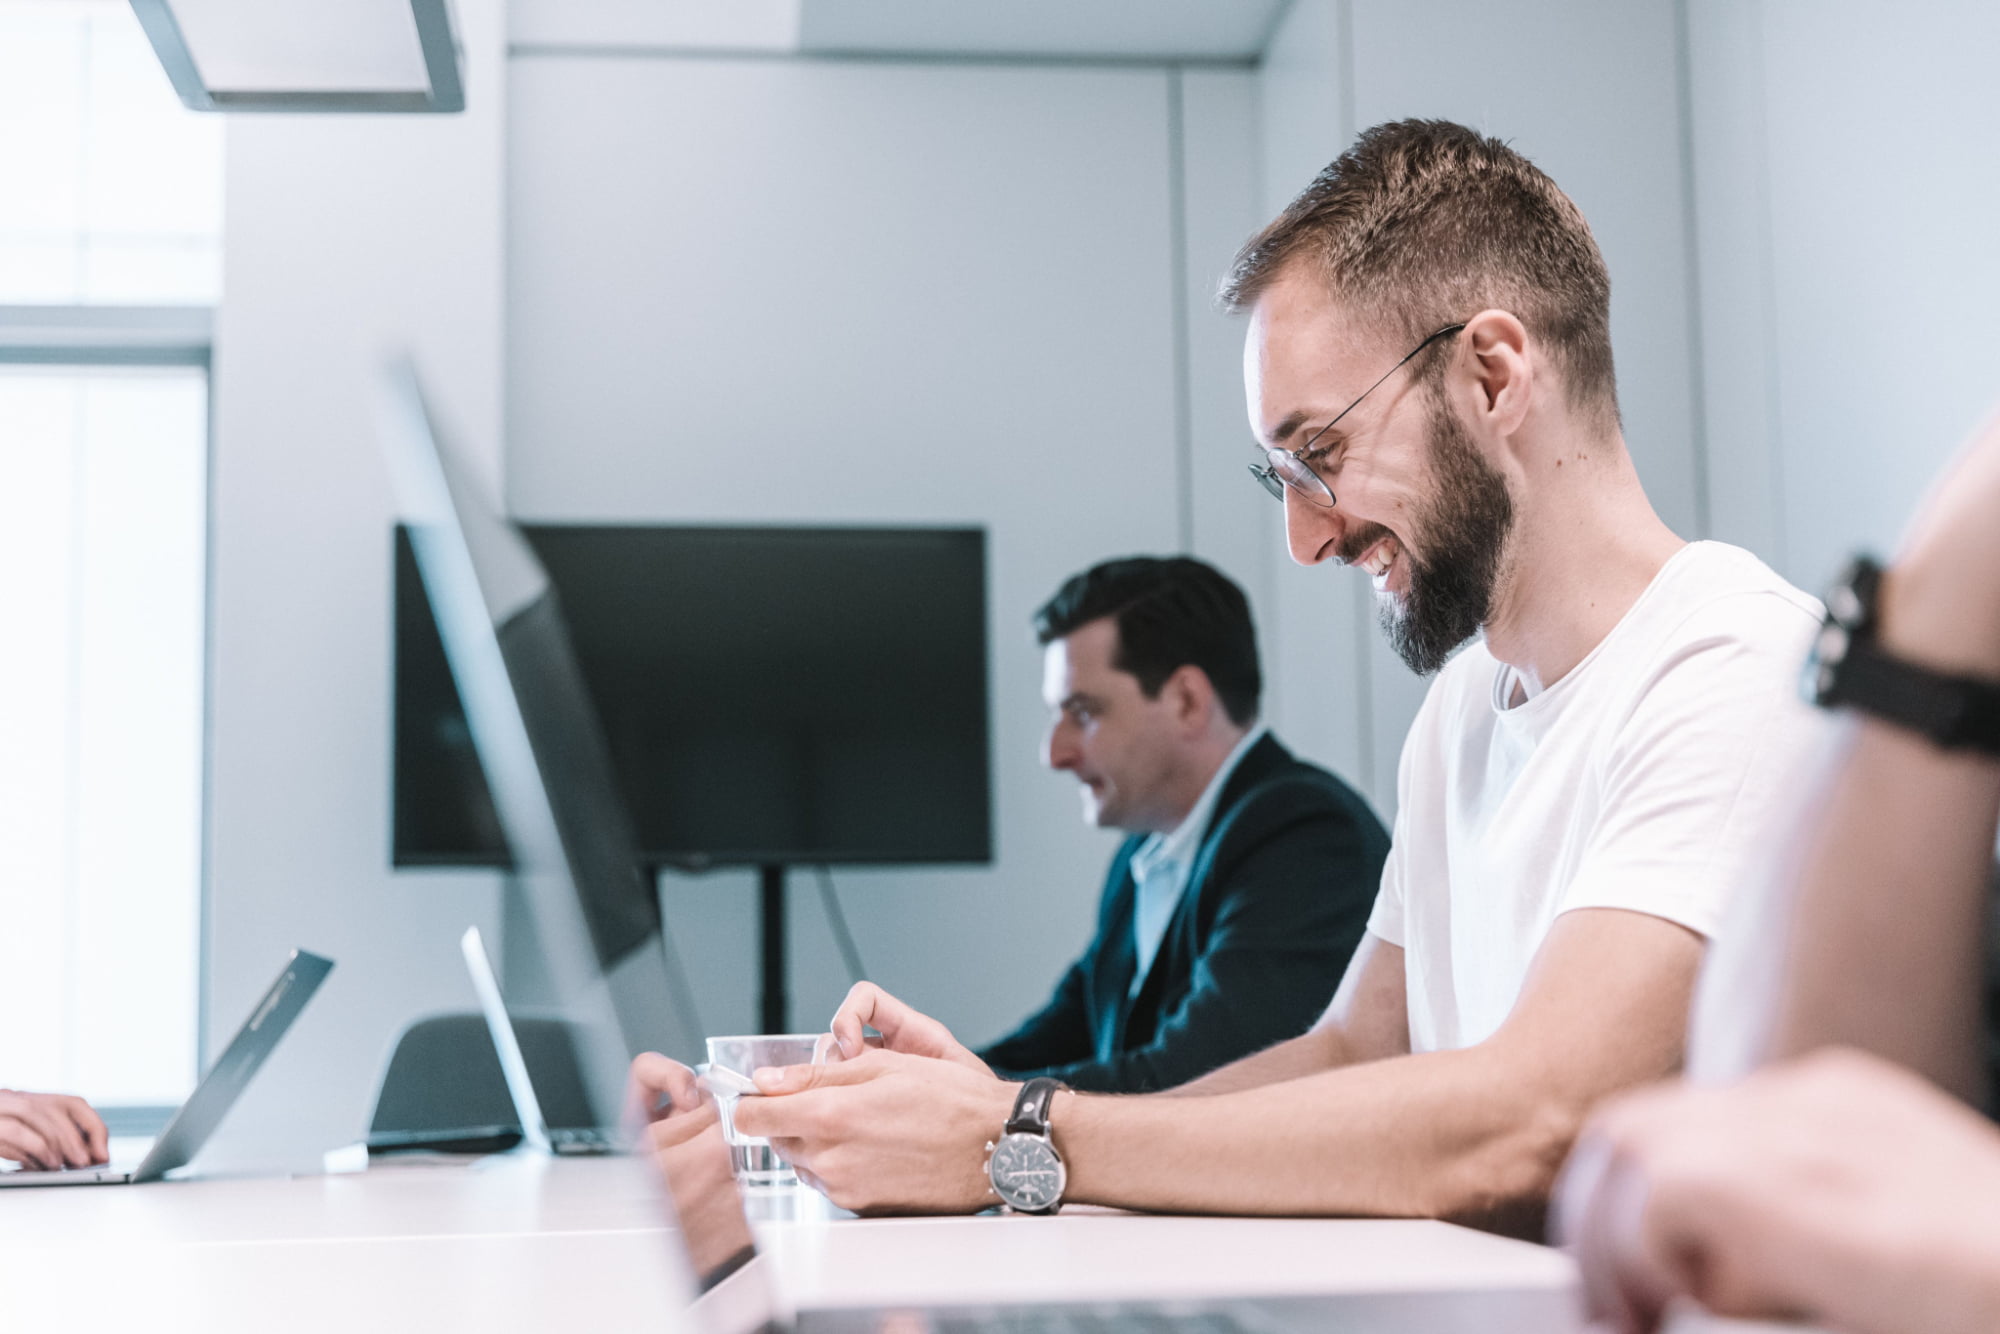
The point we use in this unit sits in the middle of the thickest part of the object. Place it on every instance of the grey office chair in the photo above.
(443, 1089)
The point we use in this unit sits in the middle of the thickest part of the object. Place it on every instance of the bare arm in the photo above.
(1881, 945)
(1367, 1021)
(1889, 933)
(1475, 1134)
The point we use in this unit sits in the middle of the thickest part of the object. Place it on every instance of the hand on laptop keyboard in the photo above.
(51, 1130)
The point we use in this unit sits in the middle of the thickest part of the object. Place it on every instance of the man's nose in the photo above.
(1059, 748)
(1312, 532)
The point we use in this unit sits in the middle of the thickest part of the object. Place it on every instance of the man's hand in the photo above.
(693, 1160)
(683, 1131)
(659, 1087)
(51, 1130)
(884, 1131)
(1838, 1188)
(903, 1029)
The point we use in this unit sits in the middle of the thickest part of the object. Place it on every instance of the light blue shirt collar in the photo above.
(1163, 863)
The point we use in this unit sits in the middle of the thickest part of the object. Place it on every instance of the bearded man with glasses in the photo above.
(1429, 375)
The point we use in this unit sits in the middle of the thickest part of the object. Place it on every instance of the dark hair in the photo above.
(1423, 223)
(1170, 611)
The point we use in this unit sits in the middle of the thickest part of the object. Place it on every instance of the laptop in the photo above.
(218, 1090)
(536, 1134)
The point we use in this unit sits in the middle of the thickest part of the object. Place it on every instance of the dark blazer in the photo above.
(1276, 902)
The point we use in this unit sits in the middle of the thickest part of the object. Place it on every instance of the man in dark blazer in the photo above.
(1229, 913)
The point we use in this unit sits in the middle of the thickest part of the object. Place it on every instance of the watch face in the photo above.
(1026, 1172)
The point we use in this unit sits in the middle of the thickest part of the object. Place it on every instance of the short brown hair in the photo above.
(1423, 223)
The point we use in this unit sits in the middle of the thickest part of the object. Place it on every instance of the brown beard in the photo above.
(1464, 525)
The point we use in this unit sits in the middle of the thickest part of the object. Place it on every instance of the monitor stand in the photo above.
(648, 990)
(523, 971)
(773, 1005)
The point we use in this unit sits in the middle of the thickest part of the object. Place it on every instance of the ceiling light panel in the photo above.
(266, 46)
(307, 55)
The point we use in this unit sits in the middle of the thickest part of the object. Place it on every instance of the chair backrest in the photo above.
(444, 1075)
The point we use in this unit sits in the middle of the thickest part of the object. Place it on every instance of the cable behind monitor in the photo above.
(837, 919)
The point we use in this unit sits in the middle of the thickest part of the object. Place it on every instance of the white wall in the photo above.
(1847, 186)
(853, 291)
(348, 237)
(1590, 93)
(1321, 621)
(1235, 524)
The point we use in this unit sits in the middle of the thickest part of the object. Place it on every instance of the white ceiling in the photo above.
(1201, 29)
(700, 25)
(350, 46)
(1058, 29)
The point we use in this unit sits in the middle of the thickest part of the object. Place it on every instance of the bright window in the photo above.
(112, 190)
(110, 246)
(103, 481)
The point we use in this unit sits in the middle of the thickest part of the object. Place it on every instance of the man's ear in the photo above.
(1192, 697)
(1500, 355)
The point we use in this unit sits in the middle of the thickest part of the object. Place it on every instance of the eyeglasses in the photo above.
(1288, 467)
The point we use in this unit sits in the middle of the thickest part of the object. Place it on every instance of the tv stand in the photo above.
(773, 1004)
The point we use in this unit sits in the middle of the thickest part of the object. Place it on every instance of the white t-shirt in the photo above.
(1646, 778)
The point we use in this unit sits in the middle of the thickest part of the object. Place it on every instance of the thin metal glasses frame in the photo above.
(1277, 471)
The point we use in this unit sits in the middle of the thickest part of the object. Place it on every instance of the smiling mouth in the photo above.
(1379, 559)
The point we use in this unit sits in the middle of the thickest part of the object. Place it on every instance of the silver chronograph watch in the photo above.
(1023, 1165)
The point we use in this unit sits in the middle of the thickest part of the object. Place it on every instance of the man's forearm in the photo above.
(1889, 934)
(1308, 1054)
(1452, 1134)
(1888, 931)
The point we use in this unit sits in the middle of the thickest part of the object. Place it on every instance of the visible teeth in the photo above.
(1377, 560)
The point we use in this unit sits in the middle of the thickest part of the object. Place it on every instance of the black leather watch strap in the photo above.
(1031, 1108)
(1954, 712)
(1850, 669)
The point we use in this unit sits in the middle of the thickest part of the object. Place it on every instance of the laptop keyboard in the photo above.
(580, 1140)
(1104, 1321)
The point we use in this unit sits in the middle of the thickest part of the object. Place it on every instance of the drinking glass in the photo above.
(755, 1162)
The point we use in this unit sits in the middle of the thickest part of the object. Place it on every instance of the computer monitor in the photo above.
(539, 744)
(441, 810)
(770, 696)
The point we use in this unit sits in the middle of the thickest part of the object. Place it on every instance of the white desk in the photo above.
(1102, 1255)
(499, 1246)
(523, 1245)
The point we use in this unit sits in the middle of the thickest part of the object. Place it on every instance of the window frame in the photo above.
(94, 336)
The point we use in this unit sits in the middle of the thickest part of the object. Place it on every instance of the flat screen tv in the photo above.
(769, 696)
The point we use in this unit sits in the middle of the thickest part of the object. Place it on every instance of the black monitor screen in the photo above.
(442, 813)
(768, 695)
